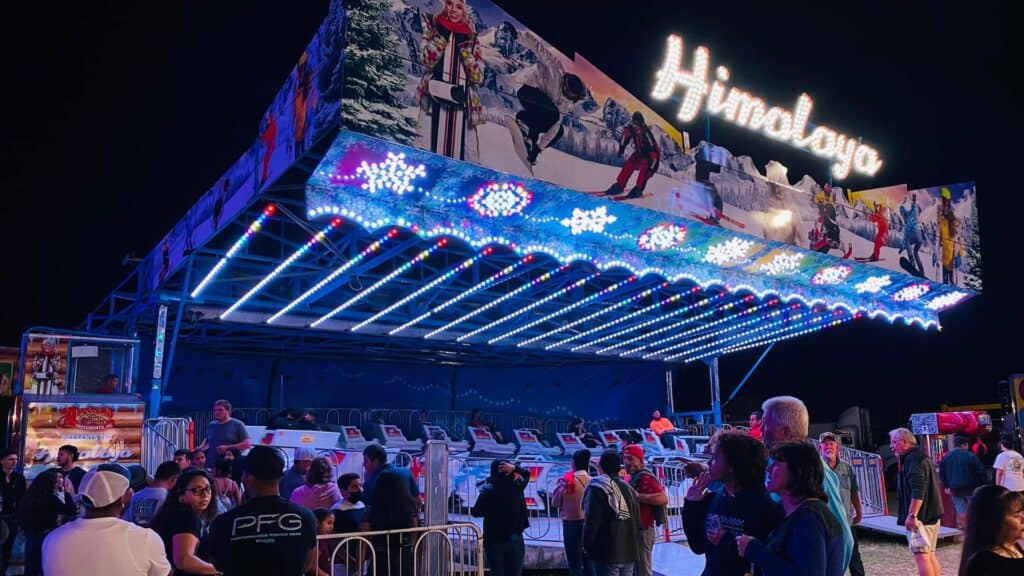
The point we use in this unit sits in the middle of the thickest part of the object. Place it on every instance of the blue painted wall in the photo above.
(624, 392)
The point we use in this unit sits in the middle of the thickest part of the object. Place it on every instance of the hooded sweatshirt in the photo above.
(612, 521)
(502, 504)
(317, 496)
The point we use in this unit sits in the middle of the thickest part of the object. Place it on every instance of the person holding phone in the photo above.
(712, 519)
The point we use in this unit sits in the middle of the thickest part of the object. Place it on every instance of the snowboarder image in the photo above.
(46, 368)
(645, 157)
(302, 98)
(947, 232)
(911, 237)
(546, 95)
(451, 54)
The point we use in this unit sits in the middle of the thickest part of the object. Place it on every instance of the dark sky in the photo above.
(120, 114)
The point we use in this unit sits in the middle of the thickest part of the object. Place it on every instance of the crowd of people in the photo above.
(767, 503)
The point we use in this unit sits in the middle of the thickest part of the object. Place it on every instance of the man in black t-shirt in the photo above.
(268, 534)
(67, 455)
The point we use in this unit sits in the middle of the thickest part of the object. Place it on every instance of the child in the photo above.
(324, 526)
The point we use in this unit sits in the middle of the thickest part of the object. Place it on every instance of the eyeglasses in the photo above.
(200, 490)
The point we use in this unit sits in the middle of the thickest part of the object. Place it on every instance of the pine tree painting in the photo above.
(373, 74)
(972, 279)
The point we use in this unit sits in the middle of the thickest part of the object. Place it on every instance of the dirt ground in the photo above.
(889, 555)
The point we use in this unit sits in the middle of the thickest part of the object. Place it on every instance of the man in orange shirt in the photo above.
(660, 424)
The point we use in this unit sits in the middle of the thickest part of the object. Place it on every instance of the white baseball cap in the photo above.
(102, 487)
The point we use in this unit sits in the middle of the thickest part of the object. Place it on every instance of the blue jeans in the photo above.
(572, 536)
(616, 569)
(505, 558)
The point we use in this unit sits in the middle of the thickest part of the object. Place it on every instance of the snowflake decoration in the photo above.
(831, 275)
(945, 300)
(912, 292)
(588, 220)
(782, 263)
(662, 237)
(873, 284)
(503, 199)
(728, 252)
(393, 174)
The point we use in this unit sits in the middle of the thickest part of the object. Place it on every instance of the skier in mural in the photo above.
(165, 259)
(268, 139)
(881, 233)
(911, 237)
(190, 231)
(947, 232)
(46, 368)
(645, 157)
(303, 97)
(218, 203)
(825, 235)
(447, 94)
(546, 96)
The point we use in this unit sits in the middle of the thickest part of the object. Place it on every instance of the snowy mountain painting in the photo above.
(496, 57)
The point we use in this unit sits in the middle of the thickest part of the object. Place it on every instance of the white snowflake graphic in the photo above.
(873, 284)
(661, 237)
(945, 300)
(393, 174)
(831, 275)
(782, 263)
(505, 199)
(912, 292)
(588, 220)
(728, 252)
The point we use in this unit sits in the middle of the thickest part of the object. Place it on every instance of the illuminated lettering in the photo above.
(749, 111)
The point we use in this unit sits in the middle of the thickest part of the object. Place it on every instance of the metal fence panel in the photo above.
(160, 438)
(448, 550)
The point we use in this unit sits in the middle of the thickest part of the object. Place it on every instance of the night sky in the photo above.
(120, 114)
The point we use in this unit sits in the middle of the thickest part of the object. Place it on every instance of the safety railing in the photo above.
(447, 550)
(673, 478)
(409, 420)
(467, 475)
(870, 472)
(161, 437)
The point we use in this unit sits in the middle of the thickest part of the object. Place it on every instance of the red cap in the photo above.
(634, 450)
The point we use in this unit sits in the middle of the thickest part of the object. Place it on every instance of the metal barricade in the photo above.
(448, 550)
(344, 417)
(407, 420)
(160, 438)
(673, 478)
(870, 472)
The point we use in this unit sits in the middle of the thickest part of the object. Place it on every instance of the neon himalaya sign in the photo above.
(747, 110)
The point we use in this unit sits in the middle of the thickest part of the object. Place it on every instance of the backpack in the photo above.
(660, 514)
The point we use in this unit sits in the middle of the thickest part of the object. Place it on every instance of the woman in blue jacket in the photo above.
(809, 542)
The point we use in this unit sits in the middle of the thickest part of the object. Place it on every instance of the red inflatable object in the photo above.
(971, 423)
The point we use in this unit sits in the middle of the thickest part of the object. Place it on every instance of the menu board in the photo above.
(102, 433)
